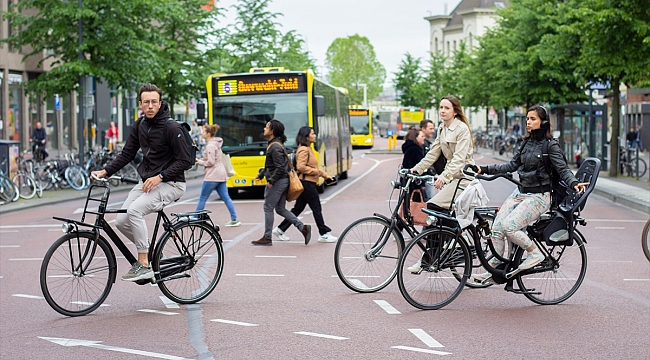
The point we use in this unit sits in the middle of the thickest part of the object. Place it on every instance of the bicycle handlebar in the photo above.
(416, 178)
(507, 176)
(123, 179)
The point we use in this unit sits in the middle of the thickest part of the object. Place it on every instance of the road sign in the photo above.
(492, 112)
(57, 102)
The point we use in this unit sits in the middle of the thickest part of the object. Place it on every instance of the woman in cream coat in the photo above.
(454, 142)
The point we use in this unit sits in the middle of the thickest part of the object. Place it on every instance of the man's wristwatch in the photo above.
(161, 176)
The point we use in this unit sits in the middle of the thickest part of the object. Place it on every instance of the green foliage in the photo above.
(117, 47)
(259, 43)
(352, 60)
(410, 83)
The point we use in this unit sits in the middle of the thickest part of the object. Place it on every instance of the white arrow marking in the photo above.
(86, 303)
(158, 312)
(97, 345)
(262, 275)
(426, 338)
(421, 350)
(387, 307)
(321, 335)
(168, 303)
(233, 322)
(28, 296)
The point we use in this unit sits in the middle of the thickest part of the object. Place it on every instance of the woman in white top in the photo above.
(215, 173)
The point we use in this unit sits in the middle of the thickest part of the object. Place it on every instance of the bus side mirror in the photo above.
(319, 105)
(200, 111)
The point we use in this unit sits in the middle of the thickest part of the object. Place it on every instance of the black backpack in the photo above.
(189, 142)
(558, 186)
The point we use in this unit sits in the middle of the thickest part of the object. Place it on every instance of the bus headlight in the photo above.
(432, 220)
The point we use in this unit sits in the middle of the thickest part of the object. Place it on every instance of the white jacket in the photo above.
(472, 197)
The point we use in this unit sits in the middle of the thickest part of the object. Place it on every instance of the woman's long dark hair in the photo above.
(278, 130)
(303, 136)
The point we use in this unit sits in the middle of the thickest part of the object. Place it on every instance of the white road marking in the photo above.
(276, 256)
(53, 230)
(358, 283)
(377, 163)
(158, 312)
(611, 261)
(260, 275)
(387, 307)
(26, 259)
(428, 351)
(168, 303)
(86, 303)
(28, 296)
(609, 228)
(320, 335)
(425, 338)
(636, 279)
(617, 220)
(233, 322)
(30, 226)
(97, 345)
(8, 231)
(9, 246)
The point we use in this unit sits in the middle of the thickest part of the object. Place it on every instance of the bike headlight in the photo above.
(66, 228)
(431, 220)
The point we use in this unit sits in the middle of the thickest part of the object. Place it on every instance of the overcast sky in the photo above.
(394, 27)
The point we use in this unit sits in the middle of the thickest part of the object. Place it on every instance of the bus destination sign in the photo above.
(261, 84)
(358, 112)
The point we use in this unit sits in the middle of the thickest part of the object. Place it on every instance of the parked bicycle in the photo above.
(445, 258)
(631, 164)
(24, 179)
(80, 268)
(8, 190)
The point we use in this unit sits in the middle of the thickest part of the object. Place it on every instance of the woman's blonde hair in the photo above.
(211, 129)
(460, 115)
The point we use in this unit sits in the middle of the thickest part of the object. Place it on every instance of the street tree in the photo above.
(410, 83)
(117, 45)
(352, 60)
(292, 54)
(182, 29)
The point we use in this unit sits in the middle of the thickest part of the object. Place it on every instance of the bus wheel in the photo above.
(233, 193)
(344, 175)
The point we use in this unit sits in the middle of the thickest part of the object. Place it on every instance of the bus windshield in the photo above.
(242, 118)
(359, 125)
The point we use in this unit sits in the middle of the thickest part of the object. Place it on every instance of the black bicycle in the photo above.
(444, 258)
(367, 251)
(80, 268)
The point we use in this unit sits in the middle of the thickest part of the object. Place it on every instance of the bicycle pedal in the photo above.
(513, 273)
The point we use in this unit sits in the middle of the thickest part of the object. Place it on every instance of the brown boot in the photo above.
(262, 242)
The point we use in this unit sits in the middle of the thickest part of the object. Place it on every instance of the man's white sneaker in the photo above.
(327, 238)
(534, 257)
(415, 268)
(280, 234)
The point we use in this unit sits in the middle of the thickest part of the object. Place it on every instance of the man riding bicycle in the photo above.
(162, 173)
(38, 139)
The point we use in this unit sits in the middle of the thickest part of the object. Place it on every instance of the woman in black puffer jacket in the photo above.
(524, 206)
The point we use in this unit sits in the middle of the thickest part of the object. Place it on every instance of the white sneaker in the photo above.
(485, 278)
(232, 223)
(327, 238)
(415, 268)
(280, 234)
(534, 257)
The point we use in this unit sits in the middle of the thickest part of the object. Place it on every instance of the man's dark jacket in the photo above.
(163, 147)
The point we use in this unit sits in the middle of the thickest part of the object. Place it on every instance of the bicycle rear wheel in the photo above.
(77, 273)
(7, 190)
(441, 259)
(76, 177)
(560, 283)
(189, 261)
(644, 239)
(363, 262)
(26, 185)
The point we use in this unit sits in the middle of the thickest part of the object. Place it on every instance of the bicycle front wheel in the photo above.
(188, 262)
(7, 190)
(366, 254)
(77, 273)
(26, 185)
(76, 177)
(632, 167)
(434, 269)
(644, 239)
(563, 280)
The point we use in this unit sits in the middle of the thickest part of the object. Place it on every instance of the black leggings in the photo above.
(308, 196)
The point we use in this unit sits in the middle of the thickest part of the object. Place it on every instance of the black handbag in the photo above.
(439, 165)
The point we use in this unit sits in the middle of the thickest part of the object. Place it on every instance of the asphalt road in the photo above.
(286, 302)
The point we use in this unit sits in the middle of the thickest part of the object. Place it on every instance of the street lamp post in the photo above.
(80, 117)
(365, 93)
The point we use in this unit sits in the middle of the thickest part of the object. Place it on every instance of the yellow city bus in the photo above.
(408, 117)
(361, 126)
(241, 104)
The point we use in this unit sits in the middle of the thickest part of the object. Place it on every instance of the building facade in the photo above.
(469, 20)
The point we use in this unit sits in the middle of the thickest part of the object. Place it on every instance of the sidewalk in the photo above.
(628, 192)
